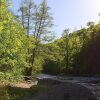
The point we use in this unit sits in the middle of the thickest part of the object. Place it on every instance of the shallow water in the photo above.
(66, 78)
(45, 76)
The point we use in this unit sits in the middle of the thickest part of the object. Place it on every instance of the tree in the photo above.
(12, 43)
(65, 37)
(38, 21)
(89, 55)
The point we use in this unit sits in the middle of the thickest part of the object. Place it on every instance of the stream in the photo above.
(71, 88)
(68, 78)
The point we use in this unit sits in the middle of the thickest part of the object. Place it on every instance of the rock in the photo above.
(67, 91)
(23, 84)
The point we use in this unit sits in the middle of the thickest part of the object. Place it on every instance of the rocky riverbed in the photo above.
(53, 88)
(66, 91)
(71, 88)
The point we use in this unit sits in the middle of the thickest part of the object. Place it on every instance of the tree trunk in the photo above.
(31, 62)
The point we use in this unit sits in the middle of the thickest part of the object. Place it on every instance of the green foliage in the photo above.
(73, 52)
(36, 20)
(89, 55)
(60, 55)
(22, 44)
(4, 94)
(38, 65)
(12, 44)
(7, 78)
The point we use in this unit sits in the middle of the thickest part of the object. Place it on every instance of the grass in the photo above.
(12, 93)
(15, 93)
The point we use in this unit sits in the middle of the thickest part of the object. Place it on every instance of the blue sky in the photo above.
(70, 14)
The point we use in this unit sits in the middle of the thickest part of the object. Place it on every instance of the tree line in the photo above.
(27, 44)
(75, 53)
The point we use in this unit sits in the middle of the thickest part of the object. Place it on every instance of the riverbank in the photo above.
(25, 90)
(54, 88)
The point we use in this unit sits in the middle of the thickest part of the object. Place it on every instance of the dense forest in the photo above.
(28, 45)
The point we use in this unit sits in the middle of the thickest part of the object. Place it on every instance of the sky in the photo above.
(72, 14)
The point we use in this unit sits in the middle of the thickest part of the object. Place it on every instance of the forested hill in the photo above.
(26, 46)
(77, 53)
